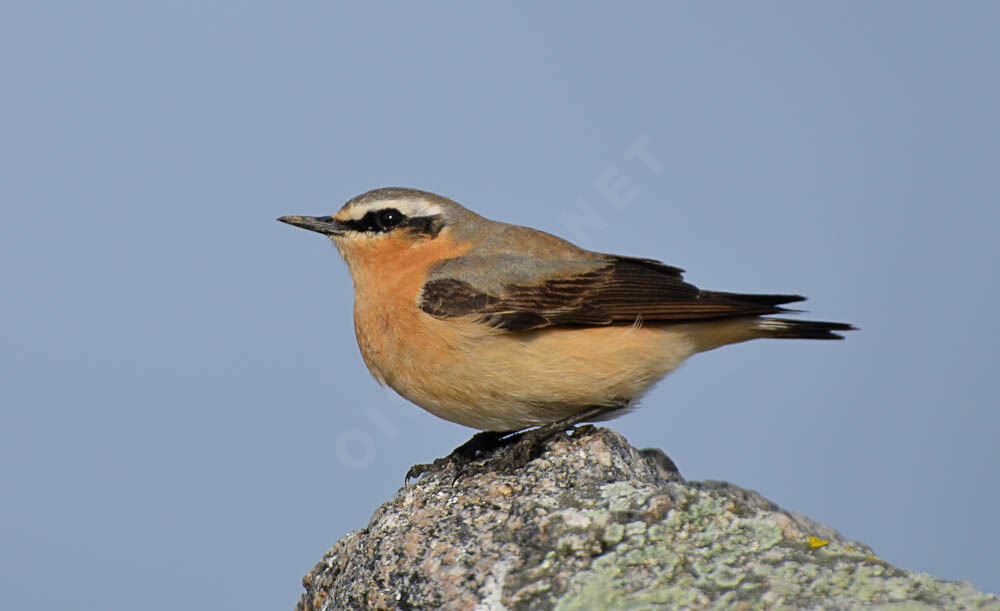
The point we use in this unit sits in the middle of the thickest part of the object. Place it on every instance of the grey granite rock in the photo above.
(596, 524)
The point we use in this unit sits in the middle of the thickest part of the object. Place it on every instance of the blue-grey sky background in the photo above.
(186, 419)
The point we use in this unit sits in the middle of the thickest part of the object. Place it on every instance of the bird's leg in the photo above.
(523, 447)
(505, 452)
(481, 443)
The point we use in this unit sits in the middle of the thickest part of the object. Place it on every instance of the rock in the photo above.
(596, 524)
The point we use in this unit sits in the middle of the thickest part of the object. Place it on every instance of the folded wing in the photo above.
(613, 291)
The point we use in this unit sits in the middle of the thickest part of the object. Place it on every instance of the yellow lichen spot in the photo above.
(816, 542)
(850, 548)
(873, 557)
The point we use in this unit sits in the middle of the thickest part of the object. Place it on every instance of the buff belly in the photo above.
(469, 373)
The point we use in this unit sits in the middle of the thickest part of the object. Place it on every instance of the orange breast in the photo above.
(391, 329)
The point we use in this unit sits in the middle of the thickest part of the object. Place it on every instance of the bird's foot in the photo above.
(496, 452)
(522, 448)
(481, 444)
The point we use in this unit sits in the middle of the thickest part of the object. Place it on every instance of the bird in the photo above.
(501, 328)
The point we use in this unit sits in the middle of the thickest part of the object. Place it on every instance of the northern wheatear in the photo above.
(500, 327)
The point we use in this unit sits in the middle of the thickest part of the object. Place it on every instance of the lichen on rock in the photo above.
(597, 524)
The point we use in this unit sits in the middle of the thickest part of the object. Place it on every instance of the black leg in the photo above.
(481, 444)
(504, 452)
(528, 445)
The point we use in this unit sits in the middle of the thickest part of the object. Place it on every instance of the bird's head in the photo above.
(380, 226)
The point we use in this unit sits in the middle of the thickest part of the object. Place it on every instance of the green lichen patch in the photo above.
(594, 524)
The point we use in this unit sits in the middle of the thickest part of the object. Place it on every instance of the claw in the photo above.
(505, 452)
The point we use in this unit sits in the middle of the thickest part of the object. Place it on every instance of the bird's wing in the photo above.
(607, 290)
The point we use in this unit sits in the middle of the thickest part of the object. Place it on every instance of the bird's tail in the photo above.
(800, 329)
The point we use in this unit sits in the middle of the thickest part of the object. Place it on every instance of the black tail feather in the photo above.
(770, 300)
(802, 329)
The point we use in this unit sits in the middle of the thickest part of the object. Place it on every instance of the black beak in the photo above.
(320, 224)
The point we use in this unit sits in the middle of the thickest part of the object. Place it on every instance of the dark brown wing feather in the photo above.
(619, 293)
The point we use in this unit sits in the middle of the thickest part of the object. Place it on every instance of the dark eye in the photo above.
(389, 218)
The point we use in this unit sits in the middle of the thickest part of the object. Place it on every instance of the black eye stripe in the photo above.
(375, 221)
(388, 219)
